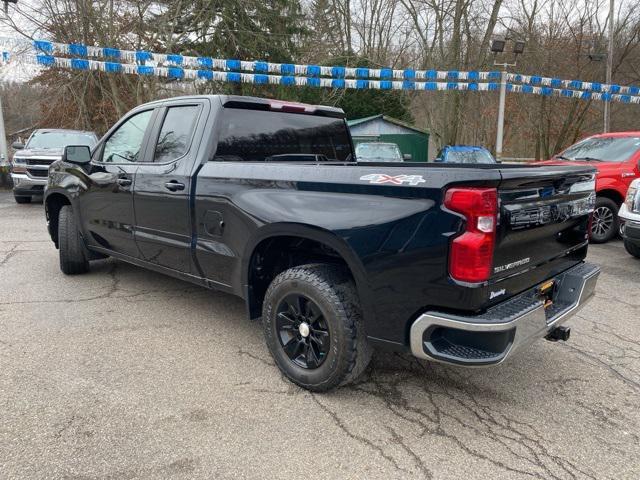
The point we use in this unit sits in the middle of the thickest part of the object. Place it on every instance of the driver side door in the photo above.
(106, 208)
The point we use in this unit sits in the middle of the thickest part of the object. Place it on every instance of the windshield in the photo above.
(372, 152)
(603, 149)
(60, 139)
(469, 156)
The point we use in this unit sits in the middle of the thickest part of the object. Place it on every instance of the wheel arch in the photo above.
(611, 194)
(288, 245)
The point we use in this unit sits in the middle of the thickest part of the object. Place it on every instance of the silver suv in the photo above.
(30, 164)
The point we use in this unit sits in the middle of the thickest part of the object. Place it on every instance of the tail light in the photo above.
(471, 254)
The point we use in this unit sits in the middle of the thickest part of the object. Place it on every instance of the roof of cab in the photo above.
(258, 102)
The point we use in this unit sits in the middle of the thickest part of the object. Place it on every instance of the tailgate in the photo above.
(544, 216)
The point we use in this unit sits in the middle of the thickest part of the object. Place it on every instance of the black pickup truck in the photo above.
(462, 264)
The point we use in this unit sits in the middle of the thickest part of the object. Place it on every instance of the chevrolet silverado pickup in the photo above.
(461, 264)
(31, 162)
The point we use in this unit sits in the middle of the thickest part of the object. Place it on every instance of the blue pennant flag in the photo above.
(205, 74)
(260, 66)
(233, 64)
(206, 62)
(287, 69)
(175, 59)
(143, 56)
(112, 67)
(111, 52)
(79, 64)
(78, 49)
(175, 72)
(43, 46)
(146, 70)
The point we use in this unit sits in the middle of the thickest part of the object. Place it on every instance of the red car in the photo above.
(616, 156)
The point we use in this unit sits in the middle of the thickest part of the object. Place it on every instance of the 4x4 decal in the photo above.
(380, 178)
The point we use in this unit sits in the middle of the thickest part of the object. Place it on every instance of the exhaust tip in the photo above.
(559, 333)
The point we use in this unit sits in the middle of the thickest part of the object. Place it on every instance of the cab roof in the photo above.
(258, 103)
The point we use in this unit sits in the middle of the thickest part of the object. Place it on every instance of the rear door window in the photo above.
(258, 136)
(176, 132)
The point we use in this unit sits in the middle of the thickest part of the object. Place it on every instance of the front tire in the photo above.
(22, 199)
(73, 254)
(313, 327)
(605, 223)
(632, 248)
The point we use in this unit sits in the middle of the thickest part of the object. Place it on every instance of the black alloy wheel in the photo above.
(314, 328)
(303, 331)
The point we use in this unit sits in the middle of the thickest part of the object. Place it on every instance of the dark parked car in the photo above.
(462, 264)
(31, 162)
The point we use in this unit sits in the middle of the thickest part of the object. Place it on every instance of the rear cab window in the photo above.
(267, 136)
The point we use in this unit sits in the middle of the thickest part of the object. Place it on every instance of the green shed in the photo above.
(380, 128)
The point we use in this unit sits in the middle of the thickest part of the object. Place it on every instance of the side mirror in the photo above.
(17, 146)
(78, 154)
(406, 157)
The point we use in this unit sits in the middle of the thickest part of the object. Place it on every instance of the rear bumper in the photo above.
(23, 184)
(492, 337)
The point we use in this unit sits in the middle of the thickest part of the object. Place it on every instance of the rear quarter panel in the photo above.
(394, 237)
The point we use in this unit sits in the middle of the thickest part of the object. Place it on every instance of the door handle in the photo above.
(174, 186)
(124, 182)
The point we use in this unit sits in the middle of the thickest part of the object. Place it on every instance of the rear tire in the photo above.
(605, 223)
(21, 199)
(632, 248)
(73, 254)
(313, 327)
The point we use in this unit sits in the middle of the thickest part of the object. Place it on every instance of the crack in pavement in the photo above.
(359, 438)
(635, 385)
(418, 461)
(395, 402)
(11, 253)
(496, 426)
(242, 352)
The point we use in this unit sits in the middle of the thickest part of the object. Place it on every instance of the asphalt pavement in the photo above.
(124, 373)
